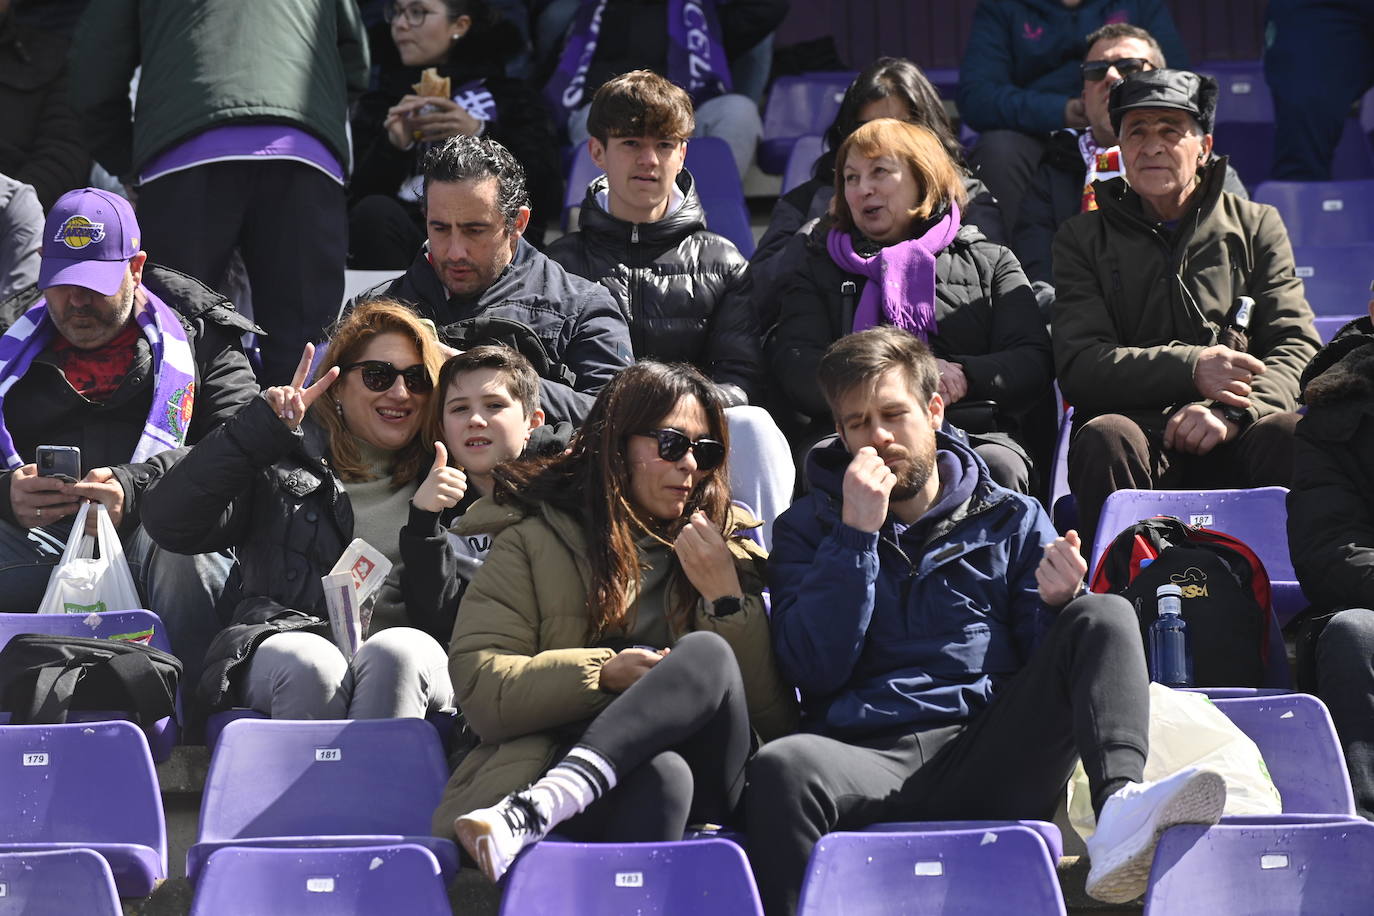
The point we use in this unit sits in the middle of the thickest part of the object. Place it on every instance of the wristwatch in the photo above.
(726, 605)
(1237, 415)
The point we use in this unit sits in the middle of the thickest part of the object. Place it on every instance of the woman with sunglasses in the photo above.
(617, 631)
(288, 483)
(468, 43)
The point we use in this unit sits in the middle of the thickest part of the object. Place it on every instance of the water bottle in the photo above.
(1170, 663)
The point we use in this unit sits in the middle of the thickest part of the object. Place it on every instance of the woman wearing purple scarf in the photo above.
(892, 252)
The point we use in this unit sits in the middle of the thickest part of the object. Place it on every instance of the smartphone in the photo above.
(60, 461)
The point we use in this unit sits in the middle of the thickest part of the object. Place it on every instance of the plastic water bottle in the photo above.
(1170, 663)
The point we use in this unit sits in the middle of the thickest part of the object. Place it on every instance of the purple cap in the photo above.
(88, 240)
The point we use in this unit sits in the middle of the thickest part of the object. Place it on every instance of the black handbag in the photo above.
(44, 676)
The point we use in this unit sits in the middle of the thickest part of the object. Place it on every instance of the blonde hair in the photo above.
(919, 149)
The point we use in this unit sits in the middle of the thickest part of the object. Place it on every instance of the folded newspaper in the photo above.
(348, 592)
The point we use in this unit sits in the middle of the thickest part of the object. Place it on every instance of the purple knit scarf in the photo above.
(901, 277)
(696, 55)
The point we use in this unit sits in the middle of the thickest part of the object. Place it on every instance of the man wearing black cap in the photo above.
(1166, 391)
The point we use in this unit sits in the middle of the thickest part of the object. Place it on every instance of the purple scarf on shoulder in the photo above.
(901, 277)
(696, 55)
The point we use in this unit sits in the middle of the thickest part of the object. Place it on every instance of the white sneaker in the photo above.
(1131, 823)
(495, 836)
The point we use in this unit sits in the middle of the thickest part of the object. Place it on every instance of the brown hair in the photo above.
(513, 370)
(1114, 31)
(858, 360)
(919, 150)
(640, 104)
(592, 483)
(347, 340)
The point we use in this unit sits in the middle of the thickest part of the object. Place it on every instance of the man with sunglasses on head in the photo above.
(949, 665)
(1180, 326)
(476, 275)
(1078, 156)
(131, 363)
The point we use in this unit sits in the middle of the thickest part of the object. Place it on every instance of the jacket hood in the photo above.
(1344, 369)
(688, 217)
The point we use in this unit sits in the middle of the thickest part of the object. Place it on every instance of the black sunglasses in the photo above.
(380, 376)
(673, 444)
(1096, 70)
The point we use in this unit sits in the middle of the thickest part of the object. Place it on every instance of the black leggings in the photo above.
(679, 740)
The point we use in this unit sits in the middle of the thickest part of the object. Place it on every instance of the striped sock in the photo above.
(575, 782)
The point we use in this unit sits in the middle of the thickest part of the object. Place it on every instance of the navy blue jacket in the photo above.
(912, 628)
(1021, 63)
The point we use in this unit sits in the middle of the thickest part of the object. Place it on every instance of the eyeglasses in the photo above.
(380, 376)
(673, 444)
(414, 15)
(1096, 70)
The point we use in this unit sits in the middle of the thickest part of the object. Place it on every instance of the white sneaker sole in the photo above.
(475, 835)
(1124, 875)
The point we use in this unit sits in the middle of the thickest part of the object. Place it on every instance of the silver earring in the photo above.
(338, 407)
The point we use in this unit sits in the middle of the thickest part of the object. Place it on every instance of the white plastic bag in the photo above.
(82, 583)
(1187, 729)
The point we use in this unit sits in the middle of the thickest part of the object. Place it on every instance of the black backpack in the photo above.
(1226, 601)
(43, 676)
(494, 329)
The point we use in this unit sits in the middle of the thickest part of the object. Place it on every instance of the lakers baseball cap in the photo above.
(88, 239)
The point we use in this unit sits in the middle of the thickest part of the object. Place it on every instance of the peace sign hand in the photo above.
(290, 402)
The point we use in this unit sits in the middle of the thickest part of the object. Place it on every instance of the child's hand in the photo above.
(443, 487)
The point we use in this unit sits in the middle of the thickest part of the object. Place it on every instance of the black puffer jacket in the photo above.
(683, 289)
(42, 408)
(797, 211)
(1331, 503)
(579, 324)
(268, 492)
(986, 317)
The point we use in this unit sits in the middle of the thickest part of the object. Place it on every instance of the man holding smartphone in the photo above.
(130, 363)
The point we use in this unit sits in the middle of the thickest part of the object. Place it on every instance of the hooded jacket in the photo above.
(1021, 62)
(577, 321)
(682, 288)
(1331, 502)
(907, 628)
(1136, 303)
(985, 313)
(522, 668)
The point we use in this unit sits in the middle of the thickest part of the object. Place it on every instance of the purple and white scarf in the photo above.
(174, 387)
(901, 277)
(696, 55)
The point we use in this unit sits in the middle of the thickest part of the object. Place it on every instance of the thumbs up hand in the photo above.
(443, 486)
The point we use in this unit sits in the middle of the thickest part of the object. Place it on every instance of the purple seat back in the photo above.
(1253, 870)
(1258, 516)
(956, 871)
(350, 881)
(1328, 326)
(85, 784)
(57, 883)
(798, 106)
(1300, 748)
(1323, 212)
(1251, 148)
(801, 161)
(1335, 278)
(1243, 94)
(105, 624)
(667, 879)
(1054, 840)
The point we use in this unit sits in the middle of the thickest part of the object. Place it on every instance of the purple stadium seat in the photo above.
(957, 871)
(717, 180)
(1231, 870)
(1244, 94)
(348, 881)
(145, 626)
(1235, 693)
(1328, 326)
(666, 879)
(1257, 516)
(84, 785)
(291, 783)
(1300, 748)
(1250, 145)
(1054, 840)
(801, 160)
(1323, 212)
(798, 106)
(1335, 278)
(57, 883)
(443, 723)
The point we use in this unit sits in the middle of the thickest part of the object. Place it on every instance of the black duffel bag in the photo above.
(43, 676)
